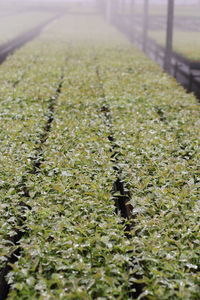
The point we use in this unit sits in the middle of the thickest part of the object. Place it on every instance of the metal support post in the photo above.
(132, 20)
(145, 24)
(108, 11)
(169, 36)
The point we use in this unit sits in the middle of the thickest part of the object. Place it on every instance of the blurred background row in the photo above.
(186, 26)
(168, 31)
(130, 13)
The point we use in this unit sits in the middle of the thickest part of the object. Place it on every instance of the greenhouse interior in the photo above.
(100, 149)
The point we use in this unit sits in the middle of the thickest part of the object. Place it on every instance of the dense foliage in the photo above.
(158, 128)
(73, 245)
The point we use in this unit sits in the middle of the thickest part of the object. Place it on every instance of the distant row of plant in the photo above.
(186, 43)
(74, 246)
(15, 24)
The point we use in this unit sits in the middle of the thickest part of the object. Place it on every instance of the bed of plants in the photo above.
(157, 125)
(16, 24)
(186, 43)
(75, 239)
(73, 244)
(75, 182)
(28, 82)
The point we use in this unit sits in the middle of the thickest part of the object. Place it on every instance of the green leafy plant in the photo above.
(73, 244)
